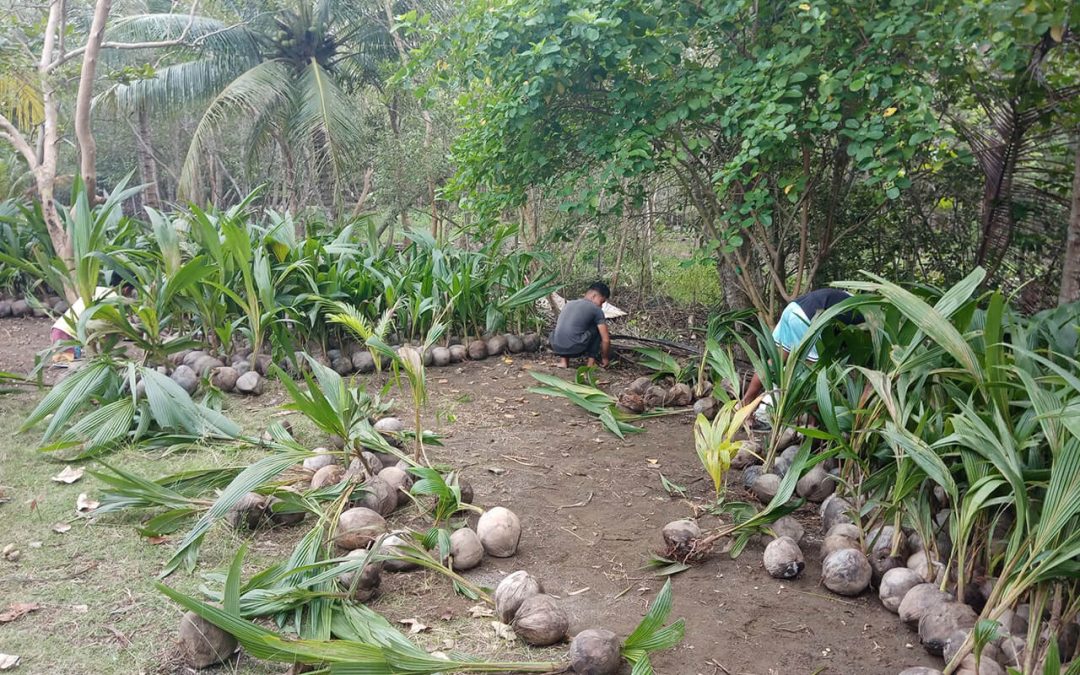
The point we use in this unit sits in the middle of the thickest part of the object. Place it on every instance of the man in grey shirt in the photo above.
(582, 329)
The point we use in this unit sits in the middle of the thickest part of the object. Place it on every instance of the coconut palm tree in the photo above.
(283, 85)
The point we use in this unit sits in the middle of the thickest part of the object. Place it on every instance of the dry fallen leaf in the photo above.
(481, 611)
(414, 625)
(17, 610)
(8, 661)
(80, 609)
(156, 541)
(69, 475)
(503, 631)
(61, 528)
(84, 503)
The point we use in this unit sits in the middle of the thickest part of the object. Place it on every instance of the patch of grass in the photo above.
(99, 611)
(687, 283)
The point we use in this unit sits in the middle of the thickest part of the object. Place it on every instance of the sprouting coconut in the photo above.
(358, 527)
(920, 600)
(202, 643)
(458, 353)
(895, 584)
(783, 558)
(540, 621)
(680, 537)
(595, 652)
(477, 350)
(440, 356)
(940, 621)
(465, 549)
(846, 572)
(365, 583)
(496, 345)
(323, 457)
(224, 378)
(514, 344)
(513, 590)
(679, 395)
(500, 532)
(466, 489)
(923, 565)
(389, 548)
(399, 480)
(332, 474)
(707, 406)
(248, 513)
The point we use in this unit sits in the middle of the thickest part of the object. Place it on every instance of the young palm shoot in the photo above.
(411, 360)
(715, 441)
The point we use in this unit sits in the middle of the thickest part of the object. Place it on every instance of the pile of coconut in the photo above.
(351, 357)
(646, 394)
(39, 307)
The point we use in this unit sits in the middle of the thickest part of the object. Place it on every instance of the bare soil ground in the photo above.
(591, 506)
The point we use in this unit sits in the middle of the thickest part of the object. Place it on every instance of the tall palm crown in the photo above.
(281, 82)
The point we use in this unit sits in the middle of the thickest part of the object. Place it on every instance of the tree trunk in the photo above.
(85, 97)
(1070, 272)
(151, 196)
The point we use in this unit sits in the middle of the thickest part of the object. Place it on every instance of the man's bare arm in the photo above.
(605, 344)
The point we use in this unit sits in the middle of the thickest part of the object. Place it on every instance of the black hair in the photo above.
(601, 288)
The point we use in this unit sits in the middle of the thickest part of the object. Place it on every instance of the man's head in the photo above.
(598, 293)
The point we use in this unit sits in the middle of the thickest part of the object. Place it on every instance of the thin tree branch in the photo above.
(12, 135)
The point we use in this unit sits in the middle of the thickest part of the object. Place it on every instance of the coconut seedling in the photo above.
(594, 401)
(715, 441)
(446, 489)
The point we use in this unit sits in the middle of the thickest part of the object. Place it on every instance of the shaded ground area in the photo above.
(591, 507)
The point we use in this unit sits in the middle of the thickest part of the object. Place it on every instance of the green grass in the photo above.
(687, 284)
(99, 611)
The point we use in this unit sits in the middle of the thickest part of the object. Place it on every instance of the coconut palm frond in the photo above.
(200, 32)
(651, 634)
(261, 90)
(21, 101)
(326, 119)
(175, 86)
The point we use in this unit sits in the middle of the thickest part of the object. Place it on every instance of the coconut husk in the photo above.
(540, 621)
(358, 527)
(596, 652)
(500, 532)
(513, 590)
(202, 643)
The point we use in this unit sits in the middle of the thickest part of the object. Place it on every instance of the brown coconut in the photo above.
(919, 601)
(835, 510)
(514, 344)
(440, 356)
(331, 474)
(389, 548)
(466, 551)
(540, 621)
(680, 535)
(941, 621)
(530, 342)
(765, 487)
(654, 397)
(458, 353)
(224, 378)
(513, 590)
(278, 517)
(679, 395)
(788, 527)
(248, 513)
(815, 485)
(202, 643)
(389, 425)
(358, 527)
(477, 350)
(500, 532)
(365, 582)
(323, 457)
(640, 386)
(895, 584)
(631, 402)
(496, 345)
(783, 558)
(379, 496)
(399, 480)
(749, 454)
(595, 652)
(846, 572)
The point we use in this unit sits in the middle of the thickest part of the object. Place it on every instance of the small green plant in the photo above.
(715, 441)
(594, 401)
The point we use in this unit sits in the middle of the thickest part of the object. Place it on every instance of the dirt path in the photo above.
(592, 507)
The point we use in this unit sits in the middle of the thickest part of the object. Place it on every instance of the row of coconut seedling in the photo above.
(645, 394)
(243, 372)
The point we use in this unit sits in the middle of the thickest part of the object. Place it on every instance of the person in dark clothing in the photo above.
(794, 324)
(582, 329)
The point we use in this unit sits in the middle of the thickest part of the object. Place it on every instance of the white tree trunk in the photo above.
(83, 128)
(1070, 271)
